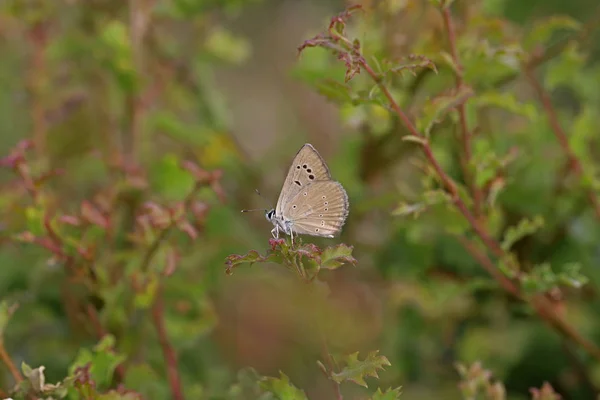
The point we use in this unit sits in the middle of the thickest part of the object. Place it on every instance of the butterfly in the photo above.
(310, 202)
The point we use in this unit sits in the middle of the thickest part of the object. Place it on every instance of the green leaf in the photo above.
(543, 30)
(414, 62)
(335, 91)
(282, 388)
(583, 132)
(251, 257)
(389, 394)
(542, 278)
(144, 298)
(562, 69)
(224, 45)
(305, 259)
(571, 276)
(508, 102)
(435, 110)
(103, 361)
(357, 370)
(334, 257)
(524, 227)
(6, 313)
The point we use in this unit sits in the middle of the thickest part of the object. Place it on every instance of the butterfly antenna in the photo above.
(262, 197)
(258, 209)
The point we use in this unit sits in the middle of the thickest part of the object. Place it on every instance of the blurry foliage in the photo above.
(469, 141)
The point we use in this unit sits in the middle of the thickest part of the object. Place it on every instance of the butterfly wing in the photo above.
(308, 167)
(319, 209)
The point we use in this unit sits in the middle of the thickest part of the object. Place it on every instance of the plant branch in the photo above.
(466, 134)
(9, 363)
(556, 49)
(574, 163)
(167, 349)
(38, 36)
(539, 303)
(329, 360)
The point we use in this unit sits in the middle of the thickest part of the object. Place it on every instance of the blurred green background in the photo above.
(117, 93)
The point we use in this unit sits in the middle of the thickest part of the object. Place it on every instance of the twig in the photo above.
(9, 363)
(329, 360)
(556, 49)
(465, 161)
(168, 351)
(158, 240)
(540, 304)
(139, 21)
(36, 81)
(574, 162)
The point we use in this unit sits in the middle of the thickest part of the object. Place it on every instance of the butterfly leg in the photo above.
(292, 236)
(275, 232)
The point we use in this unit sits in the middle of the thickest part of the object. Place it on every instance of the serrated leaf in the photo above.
(251, 257)
(389, 394)
(583, 131)
(560, 71)
(335, 91)
(435, 110)
(357, 370)
(282, 388)
(524, 227)
(544, 29)
(508, 102)
(334, 257)
(571, 276)
(103, 360)
(413, 62)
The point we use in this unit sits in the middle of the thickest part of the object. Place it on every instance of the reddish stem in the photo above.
(14, 371)
(462, 114)
(168, 351)
(540, 304)
(574, 162)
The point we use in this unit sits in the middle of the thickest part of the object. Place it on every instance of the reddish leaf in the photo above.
(92, 215)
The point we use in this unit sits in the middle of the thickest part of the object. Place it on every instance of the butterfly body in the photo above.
(310, 203)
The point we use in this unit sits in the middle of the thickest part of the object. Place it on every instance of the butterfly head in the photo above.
(270, 214)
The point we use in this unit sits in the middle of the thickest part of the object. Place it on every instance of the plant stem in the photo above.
(574, 163)
(330, 367)
(539, 303)
(467, 155)
(9, 363)
(168, 351)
